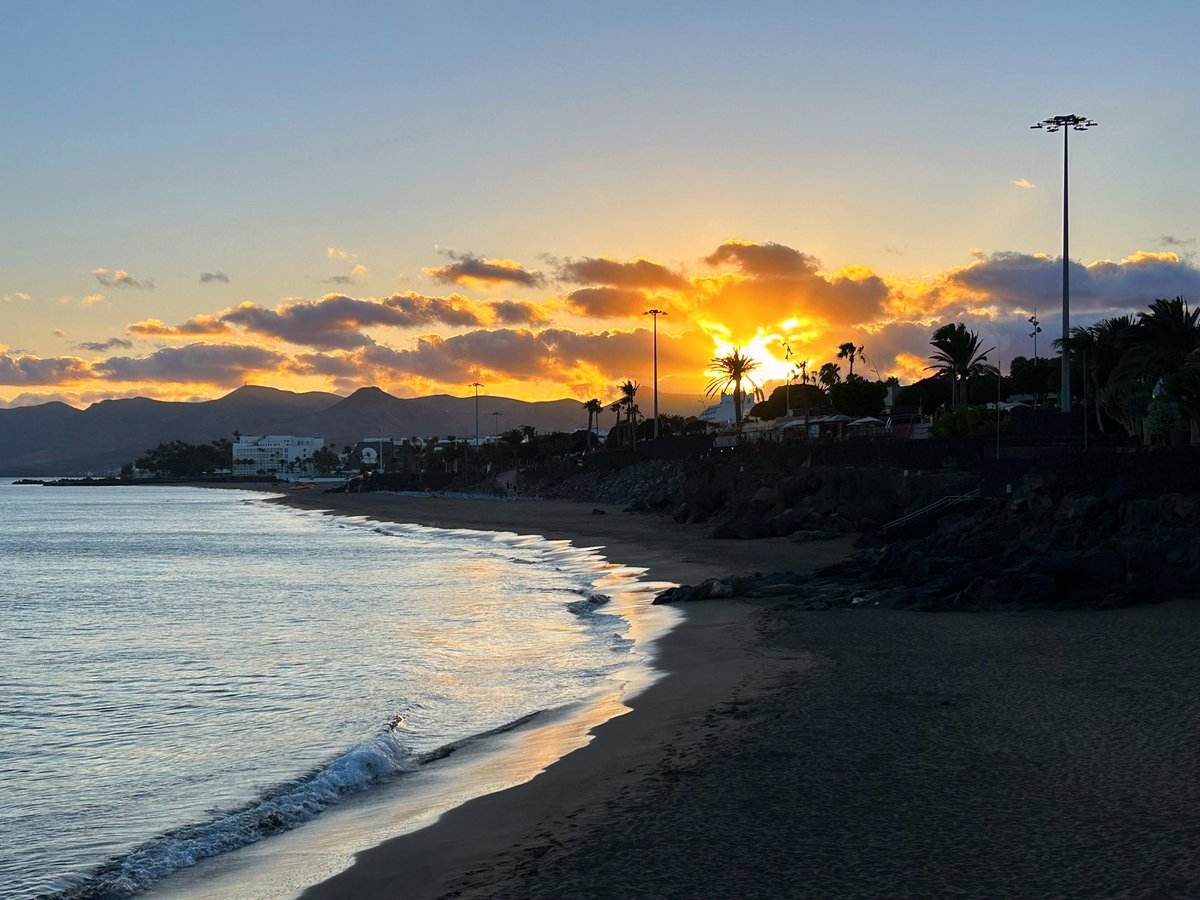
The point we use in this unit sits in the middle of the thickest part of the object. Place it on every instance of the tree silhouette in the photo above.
(959, 357)
(594, 408)
(849, 351)
(733, 369)
(628, 402)
(829, 374)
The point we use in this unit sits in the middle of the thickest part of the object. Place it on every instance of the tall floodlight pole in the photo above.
(1065, 124)
(655, 313)
(477, 386)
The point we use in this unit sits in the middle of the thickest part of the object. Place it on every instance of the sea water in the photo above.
(186, 672)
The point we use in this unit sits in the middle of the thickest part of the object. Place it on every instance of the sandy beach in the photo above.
(838, 753)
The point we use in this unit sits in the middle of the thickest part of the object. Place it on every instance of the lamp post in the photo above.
(787, 391)
(1065, 124)
(496, 422)
(477, 386)
(655, 313)
(1037, 329)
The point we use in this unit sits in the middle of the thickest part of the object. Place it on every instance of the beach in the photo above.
(835, 753)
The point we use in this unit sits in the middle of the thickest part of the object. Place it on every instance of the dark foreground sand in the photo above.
(841, 753)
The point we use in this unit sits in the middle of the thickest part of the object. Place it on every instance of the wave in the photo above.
(363, 766)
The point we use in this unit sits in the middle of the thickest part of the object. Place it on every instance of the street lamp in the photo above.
(655, 313)
(496, 422)
(787, 395)
(1065, 124)
(477, 386)
(1037, 329)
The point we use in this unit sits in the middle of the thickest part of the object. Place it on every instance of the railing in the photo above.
(926, 511)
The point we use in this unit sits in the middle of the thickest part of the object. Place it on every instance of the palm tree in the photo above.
(850, 352)
(733, 370)
(628, 392)
(1164, 339)
(960, 358)
(594, 408)
(1100, 348)
(829, 374)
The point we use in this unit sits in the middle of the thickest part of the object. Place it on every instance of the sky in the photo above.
(421, 196)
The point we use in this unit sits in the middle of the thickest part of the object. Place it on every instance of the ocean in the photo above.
(186, 674)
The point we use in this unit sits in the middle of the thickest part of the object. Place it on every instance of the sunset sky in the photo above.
(423, 195)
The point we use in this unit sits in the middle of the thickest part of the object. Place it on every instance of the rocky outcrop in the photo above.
(1045, 547)
(646, 486)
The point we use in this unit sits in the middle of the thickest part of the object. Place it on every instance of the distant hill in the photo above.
(57, 439)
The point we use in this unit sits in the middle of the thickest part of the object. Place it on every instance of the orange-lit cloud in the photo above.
(758, 296)
(121, 279)
(223, 365)
(104, 346)
(636, 273)
(606, 302)
(197, 326)
(473, 271)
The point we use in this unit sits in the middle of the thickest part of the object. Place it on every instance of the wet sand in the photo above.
(840, 753)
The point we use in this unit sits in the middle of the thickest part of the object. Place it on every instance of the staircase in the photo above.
(923, 520)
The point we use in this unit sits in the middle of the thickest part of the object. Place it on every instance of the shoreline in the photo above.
(841, 753)
(669, 551)
(699, 663)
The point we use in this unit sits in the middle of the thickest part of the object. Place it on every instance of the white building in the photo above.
(266, 454)
(724, 413)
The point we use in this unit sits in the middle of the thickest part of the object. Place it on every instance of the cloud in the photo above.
(335, 253)
(17, 295)
(213, 278)
(32, 370)
(517, 312)
(358, 273)
(763, 260)
(1010, 282)
(473, 271)
(775, 283)
(121, 279)
(336, 320)
(1168, 240)
(104, 346)
(1023, 183)
(636, 273)
(223, 365)
(606, 302)
(196, 326)
(58, 332)
(92, 299)
(554, 356)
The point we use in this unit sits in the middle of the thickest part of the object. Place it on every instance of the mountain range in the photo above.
(58, 439)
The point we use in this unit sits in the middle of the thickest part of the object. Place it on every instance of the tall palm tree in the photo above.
(733, 369)
(849, 351)
(628, 392)
(1164, 339)
(829, 374)
(1099, 348)
(958, 356)
(594, 408)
